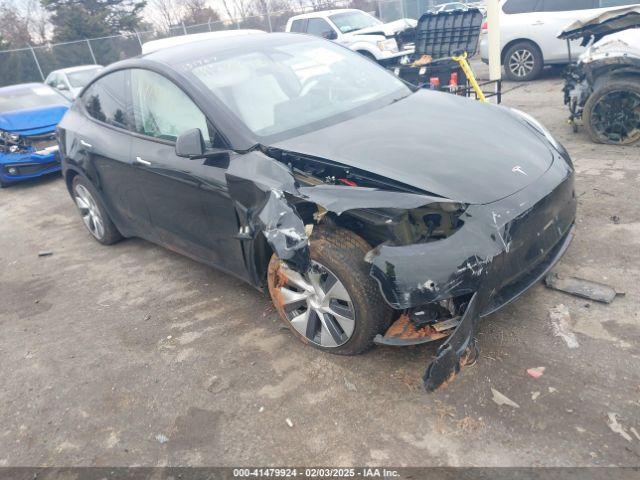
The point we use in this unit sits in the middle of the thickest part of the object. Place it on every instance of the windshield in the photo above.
(25, 98)
(352, 21)
(82, 77)
(280, 88)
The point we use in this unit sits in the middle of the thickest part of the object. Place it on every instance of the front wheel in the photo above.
(612, 112)
(335, 306)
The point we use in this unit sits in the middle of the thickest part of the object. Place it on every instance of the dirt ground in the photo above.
(133, 355)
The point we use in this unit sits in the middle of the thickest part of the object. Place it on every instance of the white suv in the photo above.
(358, 31)
(529, 29)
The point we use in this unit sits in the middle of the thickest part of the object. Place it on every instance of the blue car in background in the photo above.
(29, 114)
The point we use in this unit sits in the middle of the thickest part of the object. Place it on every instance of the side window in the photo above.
(106, 100)
(298, 25)
(567, 5)
(520, 6)
(320, 28)
(161, 109)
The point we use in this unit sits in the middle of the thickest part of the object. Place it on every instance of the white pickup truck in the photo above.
(384, 42)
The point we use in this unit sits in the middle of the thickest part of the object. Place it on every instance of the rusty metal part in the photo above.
(403, 332)
(275, 280)
(423, 60)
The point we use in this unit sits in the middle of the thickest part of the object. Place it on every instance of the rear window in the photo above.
(33, 97)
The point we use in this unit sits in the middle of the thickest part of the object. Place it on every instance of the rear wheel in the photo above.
(612, 112)
(336, 306)
(522, 62)
(94, 215)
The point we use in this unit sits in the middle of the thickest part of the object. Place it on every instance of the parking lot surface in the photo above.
(134, 355)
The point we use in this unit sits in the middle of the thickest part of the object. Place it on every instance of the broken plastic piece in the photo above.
(536, 372)
(616, 427)
(597, 292)
(502, 399)
(457, 351)
(561, 323)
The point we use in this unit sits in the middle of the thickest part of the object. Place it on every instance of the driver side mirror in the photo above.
(190, 144)
(62, 86)
(330, 35)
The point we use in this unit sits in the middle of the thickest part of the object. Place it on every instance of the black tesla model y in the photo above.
(371, 211)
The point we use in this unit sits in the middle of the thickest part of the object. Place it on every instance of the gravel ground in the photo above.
(133, 355)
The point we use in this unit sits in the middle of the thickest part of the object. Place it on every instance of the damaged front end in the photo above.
(605, 61)
(441, 265)
(602, 90)
(27, 156)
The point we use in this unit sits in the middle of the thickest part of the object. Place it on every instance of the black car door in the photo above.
(188, 199)
(105, 139)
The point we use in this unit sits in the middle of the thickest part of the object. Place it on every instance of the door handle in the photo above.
(539, 22)
(85, 144)
(141, 161)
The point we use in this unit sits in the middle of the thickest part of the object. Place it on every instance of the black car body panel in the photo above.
(455, 156)
(460, 201)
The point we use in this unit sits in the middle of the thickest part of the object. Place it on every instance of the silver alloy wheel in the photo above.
(89, 211)
(318, 305)
(521, 63)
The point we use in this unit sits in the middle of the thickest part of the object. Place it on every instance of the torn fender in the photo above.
(259, 187)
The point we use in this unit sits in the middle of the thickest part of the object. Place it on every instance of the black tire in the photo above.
(110, 234)
(523, 62)
(342, 252)
(613, 91)
(3, 184)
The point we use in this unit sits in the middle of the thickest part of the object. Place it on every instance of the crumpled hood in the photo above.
(625, 43)
(603, 23)
(386, 29)
(33, 121)
(446, 145)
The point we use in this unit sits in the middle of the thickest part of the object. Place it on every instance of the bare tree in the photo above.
(37, 20)
(14, 26)
(164, 13)
(197, 11)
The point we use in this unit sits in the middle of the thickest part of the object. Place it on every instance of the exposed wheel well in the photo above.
(68, 179)
(367, 54)
(519, 40)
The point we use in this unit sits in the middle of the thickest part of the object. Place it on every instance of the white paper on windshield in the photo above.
(43, 91)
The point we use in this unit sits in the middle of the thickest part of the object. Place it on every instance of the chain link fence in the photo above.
(34, 62)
